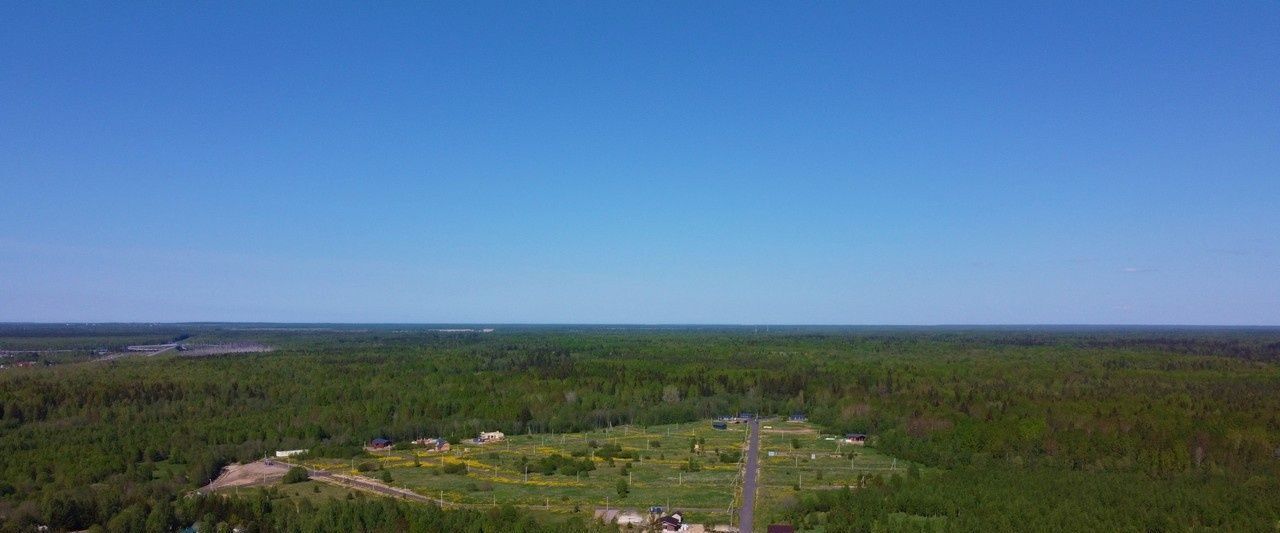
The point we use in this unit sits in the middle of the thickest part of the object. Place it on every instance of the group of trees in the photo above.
(82, 444)
(559, 464)
(1005, 498)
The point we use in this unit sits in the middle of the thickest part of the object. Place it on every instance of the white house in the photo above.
(490, 436)
(289, 453)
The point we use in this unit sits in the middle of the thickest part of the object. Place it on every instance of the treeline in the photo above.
(263, 511)
(1003, 498)
(145, 429)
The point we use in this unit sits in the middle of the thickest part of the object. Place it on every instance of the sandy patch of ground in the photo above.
(255, 473)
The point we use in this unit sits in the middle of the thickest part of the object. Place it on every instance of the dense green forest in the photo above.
(1157, 429)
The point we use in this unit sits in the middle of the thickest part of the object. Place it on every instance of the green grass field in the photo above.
(313, 490)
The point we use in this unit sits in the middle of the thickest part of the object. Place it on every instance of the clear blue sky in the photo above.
(641, 162)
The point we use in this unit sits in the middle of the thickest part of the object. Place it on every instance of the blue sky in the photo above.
(657, 162)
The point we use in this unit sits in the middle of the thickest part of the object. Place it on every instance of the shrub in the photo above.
(480, 486)
(296, 474)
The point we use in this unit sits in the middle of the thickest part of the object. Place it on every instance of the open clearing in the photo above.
(659, 477)
(822, 461)
(794, 456)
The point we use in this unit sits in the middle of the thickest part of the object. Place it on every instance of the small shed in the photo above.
(719, 424)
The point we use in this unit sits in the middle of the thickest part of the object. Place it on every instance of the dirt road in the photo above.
(749, 479)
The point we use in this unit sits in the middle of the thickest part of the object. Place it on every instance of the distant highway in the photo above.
(747, 514)
(154, 349)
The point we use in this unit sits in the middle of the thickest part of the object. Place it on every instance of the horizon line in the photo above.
(655, 324)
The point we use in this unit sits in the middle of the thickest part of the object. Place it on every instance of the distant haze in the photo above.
(726, 163)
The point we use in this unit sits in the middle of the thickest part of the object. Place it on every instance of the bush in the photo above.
(479, 486)
(296, 474)
(559, 464)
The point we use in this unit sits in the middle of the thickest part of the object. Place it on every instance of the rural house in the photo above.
(437, 444)
(674, 522)
(490, 436)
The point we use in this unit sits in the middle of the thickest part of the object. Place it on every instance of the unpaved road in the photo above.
(270, 471)
(369, 485)
(749, 479)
